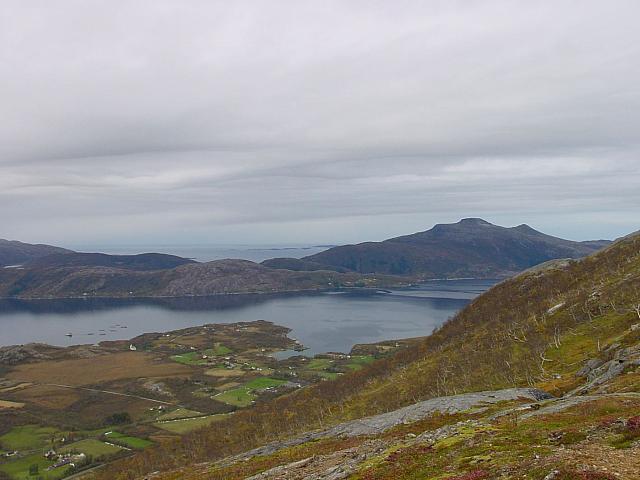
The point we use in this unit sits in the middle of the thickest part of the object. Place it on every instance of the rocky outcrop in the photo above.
(412, 413)
(342, 464)
(599, 372)
(335, 466)
(15, 354)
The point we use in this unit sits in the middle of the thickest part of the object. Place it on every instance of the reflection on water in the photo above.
(321, 321)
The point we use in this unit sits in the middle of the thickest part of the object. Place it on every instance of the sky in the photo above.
(288, 122)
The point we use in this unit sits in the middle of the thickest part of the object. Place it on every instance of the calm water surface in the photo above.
(323, 322)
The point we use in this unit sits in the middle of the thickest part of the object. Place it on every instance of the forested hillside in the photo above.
(537, 329)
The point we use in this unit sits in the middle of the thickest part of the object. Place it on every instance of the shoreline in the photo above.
(276, 292)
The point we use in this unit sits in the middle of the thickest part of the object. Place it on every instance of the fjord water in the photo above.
(330, 321)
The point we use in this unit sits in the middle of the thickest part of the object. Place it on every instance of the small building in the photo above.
(51, 455)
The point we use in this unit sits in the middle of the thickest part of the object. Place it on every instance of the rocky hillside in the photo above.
(570, 329)
(469, 248)
(56, 279)
(18, 253)
(141, 262)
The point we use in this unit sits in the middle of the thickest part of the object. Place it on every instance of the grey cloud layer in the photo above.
(212, 120)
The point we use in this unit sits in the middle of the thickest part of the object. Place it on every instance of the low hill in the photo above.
(141, 262)
(108, 277)
(300, 265)
(470, 248)
(570, 329)
(17, 253)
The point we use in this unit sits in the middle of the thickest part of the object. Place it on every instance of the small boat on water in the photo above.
(68, 334)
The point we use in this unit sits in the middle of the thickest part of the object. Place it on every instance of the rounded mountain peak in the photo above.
(473, 221)
(524, 228)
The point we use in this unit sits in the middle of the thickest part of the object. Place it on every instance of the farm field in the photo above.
(97, 370)
(359, 361)
(112, 399)
(92, 447)
(179, 413)
(201, 358)
(19, 468)
(185, 425)
(245, 395)
(28, 437)
(127, 441)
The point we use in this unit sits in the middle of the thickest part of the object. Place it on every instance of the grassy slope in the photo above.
(510, 336)
(476, 448)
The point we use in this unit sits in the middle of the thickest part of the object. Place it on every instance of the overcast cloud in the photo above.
(315, 121)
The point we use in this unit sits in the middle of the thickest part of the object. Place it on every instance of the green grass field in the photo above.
(127, 441)
(319, 364)
(243, 396)
(18, 469)
(358, 362)
(217, 350)
(94, 433)
(239, 397)
(179, 413)
(28, 437)
(186, 425)
(191, 358)
(92, 447)
(195, 358)
(263, 382)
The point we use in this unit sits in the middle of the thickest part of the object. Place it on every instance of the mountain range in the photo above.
(470, 248)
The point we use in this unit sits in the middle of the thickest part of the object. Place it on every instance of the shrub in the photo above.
(634, 423)
(118, 419)
(584, 475)
(474, 475)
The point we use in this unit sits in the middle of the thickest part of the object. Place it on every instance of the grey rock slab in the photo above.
(379, 423)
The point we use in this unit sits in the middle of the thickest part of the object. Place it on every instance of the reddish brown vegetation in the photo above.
(475, 475)
(584, 475)
(634, 423)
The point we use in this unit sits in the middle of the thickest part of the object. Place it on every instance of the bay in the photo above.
(327, 321)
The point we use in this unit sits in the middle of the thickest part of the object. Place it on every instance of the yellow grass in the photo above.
(7, 404)
(193, 341)
(15, 387)
(225, 373)
(48, 397)
(228, 386)
(96, 370)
